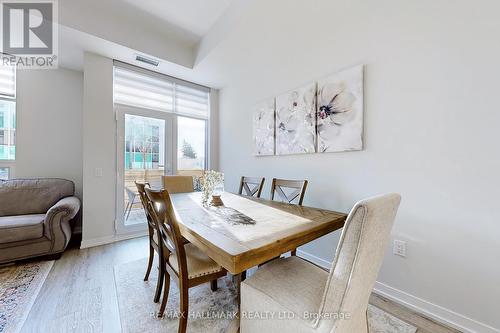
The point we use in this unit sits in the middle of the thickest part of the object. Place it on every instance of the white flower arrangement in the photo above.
(209, 182)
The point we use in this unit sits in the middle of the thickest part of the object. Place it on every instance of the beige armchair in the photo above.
(292, 295)
(35, 217)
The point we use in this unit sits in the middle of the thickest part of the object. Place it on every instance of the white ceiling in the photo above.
(195, 16)
(118, 30)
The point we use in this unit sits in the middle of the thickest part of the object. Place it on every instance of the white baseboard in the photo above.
(86, 243)
(316, 260)
(433, 311)
(426, 308)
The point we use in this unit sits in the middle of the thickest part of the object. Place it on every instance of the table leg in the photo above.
(234, 326)
(237, 281)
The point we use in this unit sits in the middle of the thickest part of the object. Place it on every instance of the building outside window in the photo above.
(143, 138)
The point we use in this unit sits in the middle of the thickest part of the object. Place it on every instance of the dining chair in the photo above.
(185, 263)
(131, 201)
(178, 184)
(281, 186)
(257, 184)
(319, 301)
(154, 243)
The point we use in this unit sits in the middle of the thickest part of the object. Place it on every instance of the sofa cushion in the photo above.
(21, 227)
(32, 196)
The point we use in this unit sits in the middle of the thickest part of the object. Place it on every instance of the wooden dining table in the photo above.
(248, 231)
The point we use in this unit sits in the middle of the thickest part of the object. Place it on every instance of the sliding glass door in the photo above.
(145, 153)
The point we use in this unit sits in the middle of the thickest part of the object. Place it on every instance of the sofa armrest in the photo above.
(57, 219)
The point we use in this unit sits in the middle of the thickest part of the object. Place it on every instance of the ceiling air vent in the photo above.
(149, 61)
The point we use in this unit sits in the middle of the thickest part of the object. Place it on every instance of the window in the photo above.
(7, 130)
(191, 144)
(7, 119)
(4, 173)
(189, 103)
(7, 81)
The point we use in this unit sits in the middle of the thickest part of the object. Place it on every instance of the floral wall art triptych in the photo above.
(263, 128)
(295, 121)
(326, 116)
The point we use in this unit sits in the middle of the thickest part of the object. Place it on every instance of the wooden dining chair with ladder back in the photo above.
(280, 191)
(252, 186)
(187, 265)
(154, 243)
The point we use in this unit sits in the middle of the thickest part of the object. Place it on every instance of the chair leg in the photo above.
(159, 284)
(294, 252)
(150, 262)
(243, 275)
(129, 210)
(164, 300)
(213, 285)
(126, 208)
(184, 307)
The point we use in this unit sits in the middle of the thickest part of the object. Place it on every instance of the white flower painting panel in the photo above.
(263, 128)
(296, 121)
(340, 111)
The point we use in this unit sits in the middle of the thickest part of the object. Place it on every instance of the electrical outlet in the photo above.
(399, 248)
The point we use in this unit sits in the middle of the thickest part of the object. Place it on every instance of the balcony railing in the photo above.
(152, 176)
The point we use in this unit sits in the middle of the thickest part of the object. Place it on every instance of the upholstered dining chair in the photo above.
(252, 186)
(154, 243)
(187, 265)
(317, 301)
(279, 188)
(178, 184)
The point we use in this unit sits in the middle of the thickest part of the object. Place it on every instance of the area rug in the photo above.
(209, 311)
(19, 287)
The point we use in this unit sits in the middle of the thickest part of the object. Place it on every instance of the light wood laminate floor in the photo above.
(79, 294)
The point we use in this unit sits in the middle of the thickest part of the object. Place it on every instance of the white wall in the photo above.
(99, 150)
(431, 132)
(49, 132)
